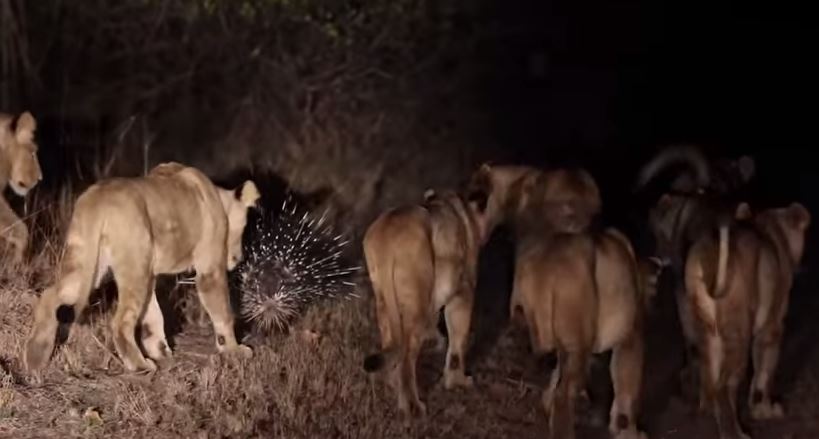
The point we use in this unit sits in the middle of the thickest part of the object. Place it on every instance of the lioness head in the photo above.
(236, 205)
(564, 199)
(474, 201)
(18, 146)
(569, 199)
(793, 221)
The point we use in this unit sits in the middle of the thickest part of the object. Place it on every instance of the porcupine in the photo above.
(295, 260)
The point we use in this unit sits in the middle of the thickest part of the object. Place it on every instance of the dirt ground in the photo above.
(309, 383)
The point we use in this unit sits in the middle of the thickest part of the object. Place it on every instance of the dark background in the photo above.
(601, 84)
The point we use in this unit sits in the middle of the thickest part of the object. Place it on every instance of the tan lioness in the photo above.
(20, 169)
(579, 294)
(747, 308)
(170, 221)
(421, 258)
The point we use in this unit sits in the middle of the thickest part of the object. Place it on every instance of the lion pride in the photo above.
(170, 221)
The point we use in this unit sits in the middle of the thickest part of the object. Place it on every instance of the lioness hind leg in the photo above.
(213, 293)
(67, 291)
(153, 331)
(723, 366)
(626, 370)
(410, 366)
(458, 318)
(765, 356)
(133, 285)
(571, 367)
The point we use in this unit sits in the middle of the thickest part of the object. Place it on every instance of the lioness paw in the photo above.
(766, 411)
(36, 355)
(456, 379)
(241, 351)
(631, 434)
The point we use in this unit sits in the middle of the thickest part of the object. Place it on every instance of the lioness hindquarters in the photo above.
(399, 258)
(580, 295)
(421, 258)
(724, 320)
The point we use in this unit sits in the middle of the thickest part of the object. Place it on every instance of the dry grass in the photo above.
(295, 386)
(308, 383)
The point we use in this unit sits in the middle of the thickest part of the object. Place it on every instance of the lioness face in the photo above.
(236, 206)
(21, 151)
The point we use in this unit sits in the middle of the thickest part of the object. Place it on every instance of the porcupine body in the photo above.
(294, 261)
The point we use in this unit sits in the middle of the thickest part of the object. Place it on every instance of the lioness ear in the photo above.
(479, 197)
(250, 194)
(25, 128)
(747, 167)
(429, 194)
(743, 211)
(799, 216)
(480, 186)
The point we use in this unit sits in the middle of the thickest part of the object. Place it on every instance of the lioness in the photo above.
(579, 294)
(20, 169)
(421, 258)
(702, 200)
(172, 220)
(749, 305)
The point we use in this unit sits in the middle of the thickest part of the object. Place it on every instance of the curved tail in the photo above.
(672, 155)
(392, 313)
(722, 262)
(80, 264)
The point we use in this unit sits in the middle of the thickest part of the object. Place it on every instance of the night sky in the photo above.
(621, 79)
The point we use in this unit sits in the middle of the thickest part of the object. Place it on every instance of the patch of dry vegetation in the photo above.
(306, 383)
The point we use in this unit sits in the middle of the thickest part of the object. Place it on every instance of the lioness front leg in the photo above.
(213, 294)
(15, 231)
(153, 331)
(626, 374)
(765, 357)
(458, 314)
